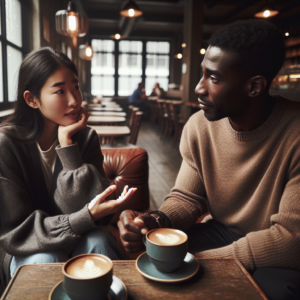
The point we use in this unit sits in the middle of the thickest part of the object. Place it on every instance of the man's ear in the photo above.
(31, 100)
(257, 85)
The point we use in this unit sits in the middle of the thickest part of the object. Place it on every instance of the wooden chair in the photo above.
(135, 127)
(132, 112)
(177, 121)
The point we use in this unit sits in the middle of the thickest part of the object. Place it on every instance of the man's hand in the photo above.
(65, 132)
(133, 225)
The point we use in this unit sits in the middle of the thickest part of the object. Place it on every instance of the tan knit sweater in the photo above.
(250, 181)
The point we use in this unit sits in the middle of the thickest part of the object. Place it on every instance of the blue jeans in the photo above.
(99, 240)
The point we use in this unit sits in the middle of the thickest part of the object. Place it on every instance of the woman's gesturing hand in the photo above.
(100, 208)
(65, 132)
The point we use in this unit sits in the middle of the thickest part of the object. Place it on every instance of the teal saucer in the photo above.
(188, 269)
(118, 291)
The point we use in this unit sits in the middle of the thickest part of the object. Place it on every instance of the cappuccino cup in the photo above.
(87, 276)
(166, 248)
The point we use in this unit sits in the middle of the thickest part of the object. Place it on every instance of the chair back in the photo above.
(132, 112)
(135, 127)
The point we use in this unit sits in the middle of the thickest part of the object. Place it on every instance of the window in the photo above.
(119, 66)
(103, 68)
(11, 50)
(130, 66)
(157, 67)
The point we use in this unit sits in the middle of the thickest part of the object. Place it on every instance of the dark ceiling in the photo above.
(163, 19)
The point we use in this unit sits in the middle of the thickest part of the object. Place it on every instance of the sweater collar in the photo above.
(262, 130)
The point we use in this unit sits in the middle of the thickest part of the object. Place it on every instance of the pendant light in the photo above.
(70, 23)
(178, 56)
(117, 36)
(86, 52)
(266, 11)
(131, 10)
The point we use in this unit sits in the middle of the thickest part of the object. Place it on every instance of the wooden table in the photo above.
(217, 279)
(105, 119)
(108, 134)
(100, 108)
(108, 113)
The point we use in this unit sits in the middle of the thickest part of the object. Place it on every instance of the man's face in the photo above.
(221, 90)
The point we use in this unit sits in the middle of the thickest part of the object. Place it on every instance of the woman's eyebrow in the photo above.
(62, 83)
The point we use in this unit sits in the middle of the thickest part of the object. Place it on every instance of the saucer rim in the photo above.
(53, 289)
(166, 280)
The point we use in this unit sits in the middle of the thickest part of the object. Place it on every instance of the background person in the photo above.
(241, 158)
(138, 97)
(158, 91)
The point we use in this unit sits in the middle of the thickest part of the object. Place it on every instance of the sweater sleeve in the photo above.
(186, 201)
(279, 245)
(82, 177)
(24, 230)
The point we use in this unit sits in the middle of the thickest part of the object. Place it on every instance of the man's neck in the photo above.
(258, 112)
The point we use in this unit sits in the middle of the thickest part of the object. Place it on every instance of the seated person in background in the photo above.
(138, 96)
(241, 159)
(50, 170)
(158, 91)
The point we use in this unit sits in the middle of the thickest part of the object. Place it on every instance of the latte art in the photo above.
(168, 239)
(88, 266)
(88, 270)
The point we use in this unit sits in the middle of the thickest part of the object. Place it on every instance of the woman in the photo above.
(51, 169)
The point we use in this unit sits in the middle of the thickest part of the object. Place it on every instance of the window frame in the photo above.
(6, 104)
(144, 53)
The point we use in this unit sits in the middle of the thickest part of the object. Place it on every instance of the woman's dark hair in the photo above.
(258, 45)
(26, 123)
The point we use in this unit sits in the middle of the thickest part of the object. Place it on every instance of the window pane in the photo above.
(127, 85)
(130, 64)
(103, 63)
(13, 21)
(158, 47)
(150, 81)
(14, 59)
(103, 45)
(131, 46)
(103, 85)
(157, 65)
(1, 75)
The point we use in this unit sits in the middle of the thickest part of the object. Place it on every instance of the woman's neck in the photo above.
(48, 136)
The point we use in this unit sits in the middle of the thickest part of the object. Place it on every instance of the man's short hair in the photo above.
(258, 45)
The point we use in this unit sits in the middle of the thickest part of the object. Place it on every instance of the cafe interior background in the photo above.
(116, 44)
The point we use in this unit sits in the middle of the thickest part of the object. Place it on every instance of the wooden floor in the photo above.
(164, 163)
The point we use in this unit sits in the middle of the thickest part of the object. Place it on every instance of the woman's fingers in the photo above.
(127, 196)
(106, 193)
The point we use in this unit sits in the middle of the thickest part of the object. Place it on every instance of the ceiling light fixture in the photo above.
(70, 23)
(131, 10)
(202, 51)
(178, 56)
(287, 34)
(266, 11)
(117, 36)
(86, 52)
(183, 45)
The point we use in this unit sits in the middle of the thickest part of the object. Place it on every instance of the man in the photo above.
(241, 157)
(138, 96)
(158, 91)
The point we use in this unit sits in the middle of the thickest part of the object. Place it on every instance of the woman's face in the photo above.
(60, 98)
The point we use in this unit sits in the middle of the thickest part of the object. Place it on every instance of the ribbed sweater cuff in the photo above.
(241, 250)
(70, 157)
(224, 252)
(81, 221)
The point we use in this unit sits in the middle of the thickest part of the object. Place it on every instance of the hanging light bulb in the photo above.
(183, 45)
(131, 10)
(202, 51)
(117, 36)
(266, 11)
(70, 23)
(178, 56)
(287, 34)
(86, 52)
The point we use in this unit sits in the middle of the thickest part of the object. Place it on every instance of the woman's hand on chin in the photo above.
(65, 132)
(100, 208)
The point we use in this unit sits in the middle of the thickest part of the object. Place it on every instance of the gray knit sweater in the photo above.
(33, 220)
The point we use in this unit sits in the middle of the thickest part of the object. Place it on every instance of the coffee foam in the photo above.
(88, 267)
(167, 236)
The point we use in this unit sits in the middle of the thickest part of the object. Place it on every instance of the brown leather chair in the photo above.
(128, 166)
